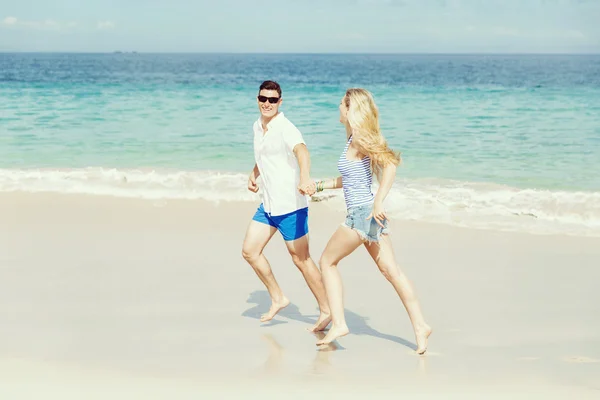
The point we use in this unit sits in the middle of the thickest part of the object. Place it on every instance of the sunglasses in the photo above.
(272, 100)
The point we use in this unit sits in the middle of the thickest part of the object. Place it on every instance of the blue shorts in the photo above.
(292, 226)
(368, 229)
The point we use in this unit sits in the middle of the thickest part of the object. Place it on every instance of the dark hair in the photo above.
(270, 85)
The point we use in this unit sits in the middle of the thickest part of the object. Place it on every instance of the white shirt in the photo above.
(278, 166)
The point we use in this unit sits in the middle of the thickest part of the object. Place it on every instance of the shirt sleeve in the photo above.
(292, 137)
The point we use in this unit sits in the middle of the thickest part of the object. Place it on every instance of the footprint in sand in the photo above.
(580, 360)
(528, 358)
(427, 353)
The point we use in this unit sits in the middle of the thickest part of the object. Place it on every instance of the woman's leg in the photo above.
(343, 242)
(383, 255)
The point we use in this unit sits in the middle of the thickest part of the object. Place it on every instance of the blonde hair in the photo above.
(363, 122)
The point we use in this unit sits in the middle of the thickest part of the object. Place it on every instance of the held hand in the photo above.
(307, 187)
(252, 186)
(379, 214)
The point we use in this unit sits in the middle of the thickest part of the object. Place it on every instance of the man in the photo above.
(283, 162)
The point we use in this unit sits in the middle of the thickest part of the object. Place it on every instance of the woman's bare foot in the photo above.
(322, 322)
(276, 306)
(334, 333)
(422, 335)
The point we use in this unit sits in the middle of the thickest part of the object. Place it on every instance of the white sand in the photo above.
(114, 298)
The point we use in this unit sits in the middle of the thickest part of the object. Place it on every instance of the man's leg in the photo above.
(257, 237)
(298, 249)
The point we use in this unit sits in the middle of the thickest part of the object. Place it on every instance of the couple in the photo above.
(283, 162)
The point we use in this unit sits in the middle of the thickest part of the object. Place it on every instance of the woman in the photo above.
(366, 152)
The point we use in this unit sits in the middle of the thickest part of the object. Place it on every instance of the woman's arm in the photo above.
(385, 184)
(387, 180)
(333, 183)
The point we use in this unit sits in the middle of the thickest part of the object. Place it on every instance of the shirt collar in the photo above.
(272, 123)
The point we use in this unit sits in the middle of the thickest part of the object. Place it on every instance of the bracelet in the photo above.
(320, 186)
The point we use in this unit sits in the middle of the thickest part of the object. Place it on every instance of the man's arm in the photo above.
(307, 186)
(255, 172)
(303, 157)
(252, 186)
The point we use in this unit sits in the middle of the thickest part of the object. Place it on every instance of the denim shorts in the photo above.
(368, 229)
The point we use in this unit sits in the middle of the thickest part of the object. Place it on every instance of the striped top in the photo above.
(356, 179)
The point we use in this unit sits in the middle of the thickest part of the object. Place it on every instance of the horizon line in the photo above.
(288, 53)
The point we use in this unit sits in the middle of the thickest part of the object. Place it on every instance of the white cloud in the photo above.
(374, 2)
(9, 21)
(351, 36)
(105, 25)
(48, 24)
(504, 31)
(536, 34)
(574, 34)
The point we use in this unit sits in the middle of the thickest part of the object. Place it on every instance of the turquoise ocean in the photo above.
(488, 141)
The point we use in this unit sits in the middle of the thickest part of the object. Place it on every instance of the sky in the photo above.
(302, 26)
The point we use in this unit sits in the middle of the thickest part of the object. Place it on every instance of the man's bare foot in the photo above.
(334, 333)
(322, 322)
(275, 308)
(422, 335)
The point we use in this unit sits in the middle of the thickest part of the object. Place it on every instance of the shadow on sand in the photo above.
(357, 324)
